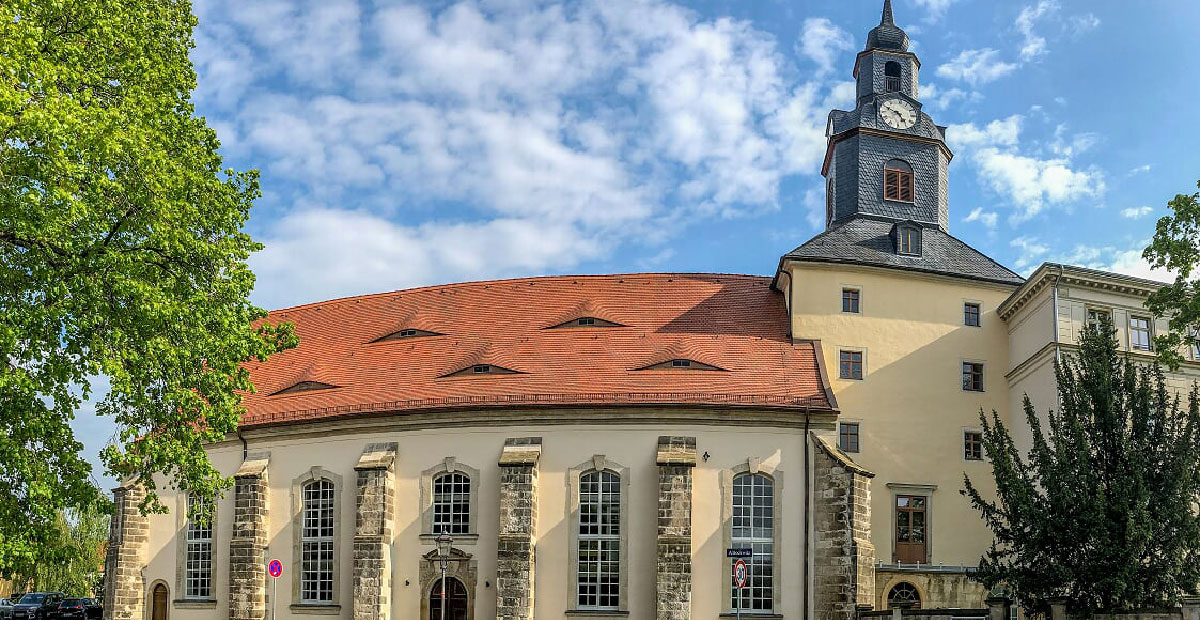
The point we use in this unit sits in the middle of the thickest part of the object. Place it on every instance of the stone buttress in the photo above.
(843, 557)
(128, 537)
(676, 459)
(373, 525)
(518, 522)
(247, 564)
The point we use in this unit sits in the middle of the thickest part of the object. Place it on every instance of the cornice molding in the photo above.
(1049, 273)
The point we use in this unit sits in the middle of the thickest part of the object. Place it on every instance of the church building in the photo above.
(591, 446)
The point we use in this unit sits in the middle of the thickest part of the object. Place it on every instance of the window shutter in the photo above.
(891, 184)
(905, 182)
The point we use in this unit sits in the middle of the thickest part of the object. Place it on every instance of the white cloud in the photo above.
(1031, 183)
(1131, 263)
(572, 130)
(1031, 252)
(1140, 169)
(821, 41)
(1136, 213)
(1069, 146)
(1080, 24)
(936, 8)
(940, 98)
(1033, 45)
(987, 218)
(976, 67)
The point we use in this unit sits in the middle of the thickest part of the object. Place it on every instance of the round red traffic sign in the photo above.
(739, 573)
(275, 568)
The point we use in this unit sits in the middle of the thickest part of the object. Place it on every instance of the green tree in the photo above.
(77, 550)
(121, 254)
(1101, 511)
(1176, 247)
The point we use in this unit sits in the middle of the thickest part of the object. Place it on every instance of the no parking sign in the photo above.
(275, 569)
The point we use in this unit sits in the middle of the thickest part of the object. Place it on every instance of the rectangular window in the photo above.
(851, 366)
(1139, 333)
(973, 445)
(452, 504)
(908, 241)
(1097, 317)
(972, 376)
(599, 569)
(971, 314)
(1194, 345)
(848, 436)
(199, 561)
(850, 298)
(754, 528)
(316, 542)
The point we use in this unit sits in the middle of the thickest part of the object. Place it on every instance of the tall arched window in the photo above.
(199, 559)
(452, 503)
(316, 542)
(898, 181)
(754, 527)
(599, 566)
(891, 77)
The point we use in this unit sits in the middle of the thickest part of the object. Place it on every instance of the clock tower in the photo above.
(886, 158)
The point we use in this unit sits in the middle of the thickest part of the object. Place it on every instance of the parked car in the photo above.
(6, 609)
(77, 609)
(37, 606)
(95, 610)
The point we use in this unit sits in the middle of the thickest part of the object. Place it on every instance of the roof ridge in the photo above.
(429, 287)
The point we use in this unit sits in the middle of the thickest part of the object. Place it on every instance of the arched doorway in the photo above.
(456, 600)
(158, 602)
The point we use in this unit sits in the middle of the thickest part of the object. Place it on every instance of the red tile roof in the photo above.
(735, 323)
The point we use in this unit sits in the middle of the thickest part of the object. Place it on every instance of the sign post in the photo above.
(740, 574)
(274, 569)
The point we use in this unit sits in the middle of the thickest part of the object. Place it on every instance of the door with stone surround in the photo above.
(911, 529)
(456, 601)
(158, 604)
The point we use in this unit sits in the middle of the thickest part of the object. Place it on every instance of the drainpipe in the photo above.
(245, 446)
(808, 564)
(1054, 319)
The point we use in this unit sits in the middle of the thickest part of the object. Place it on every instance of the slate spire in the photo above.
(887, 14)
(887, 36)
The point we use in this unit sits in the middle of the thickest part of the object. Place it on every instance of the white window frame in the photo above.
(606, 539)
(456, 502)
(449, 465)
(598, 463)
(316, 541)
(769, 469)
(198, 555)
(1149, 331)
(300, 603)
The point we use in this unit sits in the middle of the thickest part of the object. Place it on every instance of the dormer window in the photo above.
(907, 237)
(898, 181)
(680, 364)
(482, 369)
(304, 386)
(587, 321)
(405, 334)
(891, 77)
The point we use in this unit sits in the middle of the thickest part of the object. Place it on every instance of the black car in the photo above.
(6, 609)
(37, 606)
(77, 609)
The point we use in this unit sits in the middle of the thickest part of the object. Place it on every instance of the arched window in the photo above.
(316, 542)
(599, 567)
(904, 595)
(891, 76)
(197, 579)
(754, 527)
(452, 503)
(898, 181)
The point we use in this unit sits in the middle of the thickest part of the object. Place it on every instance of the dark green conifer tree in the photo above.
(1103, 509)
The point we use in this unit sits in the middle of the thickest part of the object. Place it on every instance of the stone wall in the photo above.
(373, 523)
(843, 557)
(128, 537)
(247, 566)
(938, 588)
(518, 522)
(676, 459)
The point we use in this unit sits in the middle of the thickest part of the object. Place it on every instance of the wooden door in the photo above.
(158, 610)
(911, 529)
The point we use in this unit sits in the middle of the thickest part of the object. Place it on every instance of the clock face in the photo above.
(898, 113)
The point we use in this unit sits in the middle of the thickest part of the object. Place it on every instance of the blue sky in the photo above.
(404, 143)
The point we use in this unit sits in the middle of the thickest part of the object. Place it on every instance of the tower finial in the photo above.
(887, 14)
